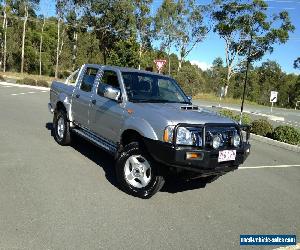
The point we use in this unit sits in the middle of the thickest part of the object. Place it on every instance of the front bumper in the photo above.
(175, 156)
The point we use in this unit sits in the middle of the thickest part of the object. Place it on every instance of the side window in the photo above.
(109, 78)
(88, 79)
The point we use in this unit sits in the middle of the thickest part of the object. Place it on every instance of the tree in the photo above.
(297, 63)
(41, 44)
(25, 6)
(242, 25)
(191, 27)
(111, 21)
(270, 78)
(218, 74)
(125, 54)
(75, 26)
(143, 22)
(166, 26)
(60, 11)
(6, 10)
(190, 79)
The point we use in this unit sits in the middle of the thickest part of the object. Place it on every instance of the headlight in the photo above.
(216, 141)
(184, 137)
(236, 140)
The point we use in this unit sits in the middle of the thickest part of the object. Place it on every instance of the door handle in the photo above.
(77, 96)
(94, 102)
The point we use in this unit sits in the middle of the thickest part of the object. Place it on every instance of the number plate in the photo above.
(227, 155)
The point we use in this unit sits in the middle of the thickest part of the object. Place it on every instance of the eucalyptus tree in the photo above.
(6, 10)
(25, 7)
(41, 43)
(75, 25)
(166, 26)
(143, 22)
(60, 13)
(248, 31)
(191, 28)
(111, 21)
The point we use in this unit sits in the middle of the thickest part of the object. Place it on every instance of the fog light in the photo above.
(216, 142)
(236, 140)
(194, 156)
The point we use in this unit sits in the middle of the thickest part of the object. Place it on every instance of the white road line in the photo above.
(31, 92)
(23, 86)
(275, 166)
(7, 86)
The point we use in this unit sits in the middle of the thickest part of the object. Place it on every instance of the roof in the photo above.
(126, 69)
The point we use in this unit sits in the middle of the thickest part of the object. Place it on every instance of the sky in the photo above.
(212, 47)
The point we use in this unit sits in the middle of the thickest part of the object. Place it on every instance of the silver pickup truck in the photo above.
(148, 123)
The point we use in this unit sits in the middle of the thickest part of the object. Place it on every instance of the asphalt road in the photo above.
(291, 116)
(55, 197)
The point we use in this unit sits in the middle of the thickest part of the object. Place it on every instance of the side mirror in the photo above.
(112, 93)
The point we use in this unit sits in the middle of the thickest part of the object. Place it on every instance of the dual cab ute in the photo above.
(148, 123)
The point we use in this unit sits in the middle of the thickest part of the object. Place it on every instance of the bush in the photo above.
(27, 81)
(227, 113)
(287, 134)
(42, 83)
(2, 79)
(246, 119)
(262, 127)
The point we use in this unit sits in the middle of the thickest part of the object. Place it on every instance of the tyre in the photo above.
(137, 173)
(61, 128)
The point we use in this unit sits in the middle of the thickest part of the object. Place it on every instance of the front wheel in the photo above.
(61, 128)
(137, 172)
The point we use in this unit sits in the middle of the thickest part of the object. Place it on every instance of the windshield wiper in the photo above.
(152, 100)
(185, 102)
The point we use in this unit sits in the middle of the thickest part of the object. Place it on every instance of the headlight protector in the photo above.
(185, 136)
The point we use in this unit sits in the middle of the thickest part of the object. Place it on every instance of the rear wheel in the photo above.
(137, 172)
(61, 128)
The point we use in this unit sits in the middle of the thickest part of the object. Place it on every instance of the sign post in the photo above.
(159, 64)
(273, 98)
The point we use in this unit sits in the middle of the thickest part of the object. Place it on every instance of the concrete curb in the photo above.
(270, 117)
(23, 86)
(275, 143)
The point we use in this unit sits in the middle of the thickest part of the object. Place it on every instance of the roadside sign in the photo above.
(159, 64)
(273, 96)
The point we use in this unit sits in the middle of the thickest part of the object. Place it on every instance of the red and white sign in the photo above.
(159, 64)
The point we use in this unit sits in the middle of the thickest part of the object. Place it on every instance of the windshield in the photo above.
(142, 87)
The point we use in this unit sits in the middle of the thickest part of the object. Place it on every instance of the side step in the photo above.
(102, 143)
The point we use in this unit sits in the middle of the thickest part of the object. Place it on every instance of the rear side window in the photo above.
(88, 79)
